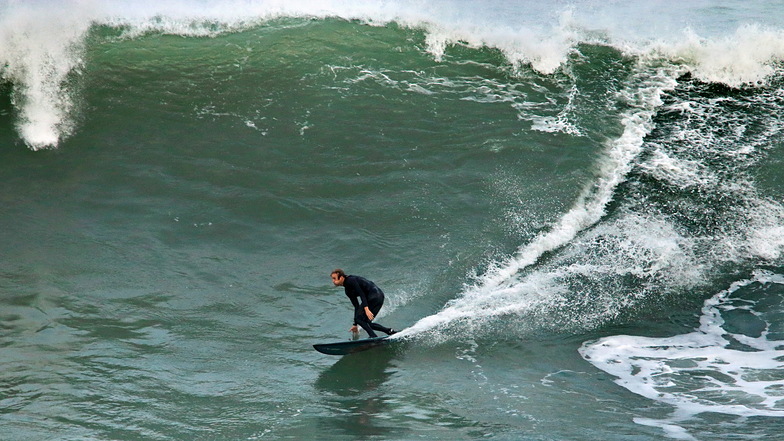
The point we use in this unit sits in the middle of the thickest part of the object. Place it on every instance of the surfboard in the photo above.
(350, 346)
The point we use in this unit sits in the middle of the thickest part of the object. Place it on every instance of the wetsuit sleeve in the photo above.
(355, 303)
(351, 288)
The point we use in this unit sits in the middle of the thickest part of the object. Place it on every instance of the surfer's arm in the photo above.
(358, 290)
(351, 294)
(354, 302)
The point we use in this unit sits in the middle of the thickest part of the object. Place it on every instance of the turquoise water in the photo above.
(575, 211)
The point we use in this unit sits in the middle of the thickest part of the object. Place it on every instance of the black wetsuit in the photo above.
(362, 292)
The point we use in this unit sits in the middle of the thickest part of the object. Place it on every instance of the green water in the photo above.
(167, 265)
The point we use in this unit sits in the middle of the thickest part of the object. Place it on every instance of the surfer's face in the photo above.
(337, 280)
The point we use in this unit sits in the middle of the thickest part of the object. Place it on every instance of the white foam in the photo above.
(562, 122)
(766, 236)
(745, 57)
(39, 47)
(673, 431)
(701, 371)
(545, 50)
(682, 173)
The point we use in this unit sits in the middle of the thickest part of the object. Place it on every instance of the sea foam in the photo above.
(731, 364)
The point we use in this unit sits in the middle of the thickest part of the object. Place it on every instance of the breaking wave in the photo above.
(42, 43)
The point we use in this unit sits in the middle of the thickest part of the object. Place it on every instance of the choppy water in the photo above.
(575, 209)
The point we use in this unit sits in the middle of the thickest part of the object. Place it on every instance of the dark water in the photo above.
(581, 228)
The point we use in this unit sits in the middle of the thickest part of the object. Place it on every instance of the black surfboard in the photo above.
(351, 346)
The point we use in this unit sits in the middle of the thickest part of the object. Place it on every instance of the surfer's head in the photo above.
(338, 277)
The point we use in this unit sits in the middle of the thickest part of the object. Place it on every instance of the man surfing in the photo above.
(367, 299)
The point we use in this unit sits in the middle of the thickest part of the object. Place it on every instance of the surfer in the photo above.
(367, 299)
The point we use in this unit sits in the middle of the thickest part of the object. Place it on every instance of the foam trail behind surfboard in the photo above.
(497, 292)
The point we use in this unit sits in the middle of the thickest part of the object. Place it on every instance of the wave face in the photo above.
(511, 172)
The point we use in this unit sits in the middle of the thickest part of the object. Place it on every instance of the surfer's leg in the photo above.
(384, 329)
(361, 319)
(376, 302)
(368, 327)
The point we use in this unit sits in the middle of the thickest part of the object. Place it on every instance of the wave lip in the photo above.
(746, 57)
(40, 47)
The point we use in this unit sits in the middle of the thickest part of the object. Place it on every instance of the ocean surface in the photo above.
(575, 209)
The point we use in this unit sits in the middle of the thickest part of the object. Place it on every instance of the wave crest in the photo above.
(41, 44)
